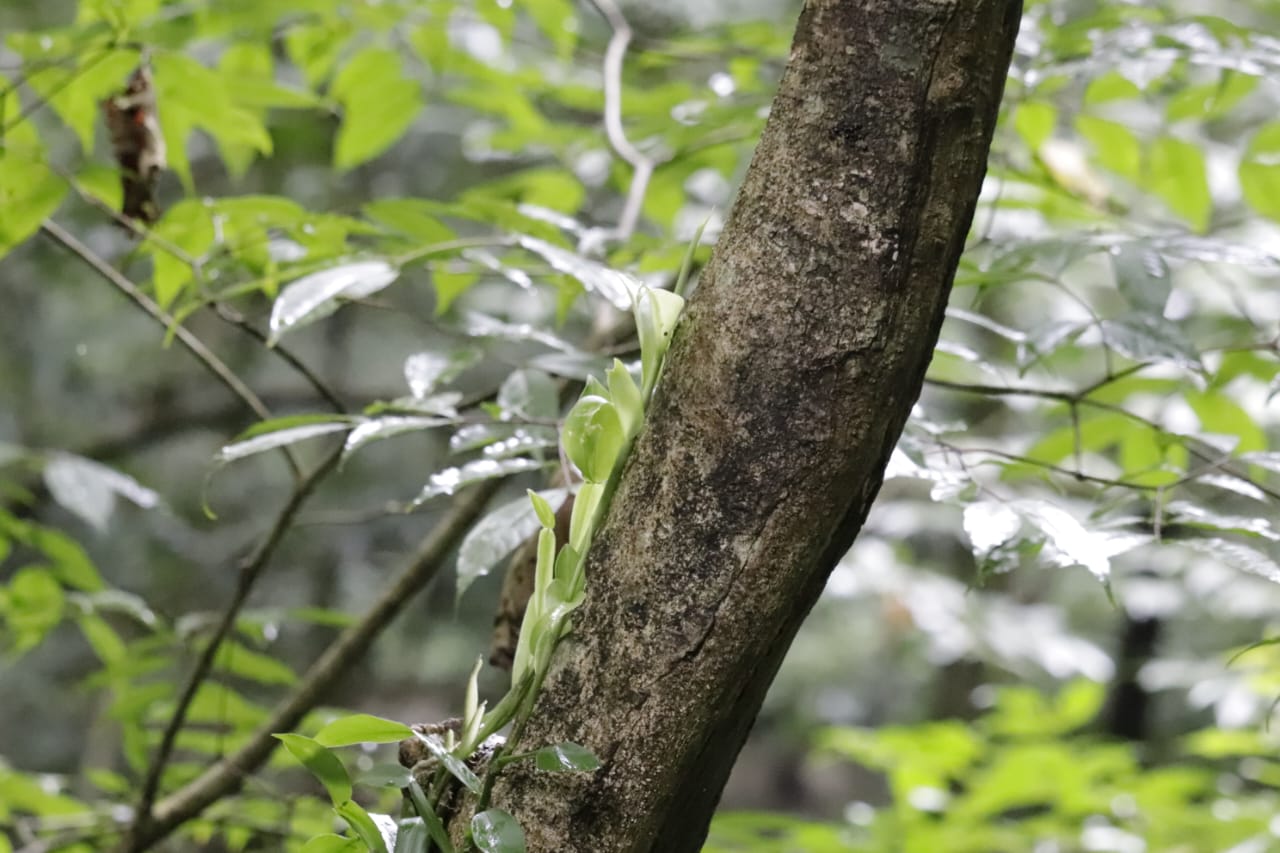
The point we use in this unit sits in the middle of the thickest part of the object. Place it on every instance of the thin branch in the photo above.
(642, 165)
(235, 318)
(35, 106)
(193, 344)
(250, 571)
(346, 650)
(1074, 399)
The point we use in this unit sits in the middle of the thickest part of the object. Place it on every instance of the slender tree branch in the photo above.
(250, 571)
(227, 775)
(34, 106)
(642, 166)
(193, 344)
(1209, 462)
(235, 318)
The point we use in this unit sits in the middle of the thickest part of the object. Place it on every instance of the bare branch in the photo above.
(193, 344)
(250, 571)
(642, 165)
(227, 775)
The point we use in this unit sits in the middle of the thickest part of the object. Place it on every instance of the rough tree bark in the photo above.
(787, 386)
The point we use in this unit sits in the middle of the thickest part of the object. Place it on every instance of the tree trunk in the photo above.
(786, 388)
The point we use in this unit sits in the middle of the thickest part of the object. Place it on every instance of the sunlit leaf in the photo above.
(1260, 171)
(529, 395)
(455, 765)
(497, 535)
(496, 831)
(616, 287)
(281, 432)
(1175, 171)
(372, 830)
(379, 105)
(362, 728)
(1142, 275)
(376, 429)
(1149, 337)
(593, 437)
(563, 757)
(317, 295)
(449, 480)
(333, 844)
(1238, 556)
(322, 763)
(89, 489)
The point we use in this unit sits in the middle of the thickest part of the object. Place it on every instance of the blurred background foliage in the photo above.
(1030, 647)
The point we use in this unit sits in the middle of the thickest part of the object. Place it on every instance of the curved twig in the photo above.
(642, 165)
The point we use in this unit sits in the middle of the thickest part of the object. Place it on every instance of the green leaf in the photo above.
(379, 104)
(498, 534)
(314, 48)
(617, 287)
(236, 659)
(1035, 122)
(188, 225)
(657, 312)
(411, 217)
(1260, 171)
(1222, 415)
(1111, 86)
(529, 395)
(626, 397)
(362, 728)
(1115, 146)
(191, 96)
(593, 437)
(455, 765)
(496, 831)
(363, 825)
(563, 757)
(333, 844)
(32, 605)
(546, 515)
(1175, 171)
(102, 638)
(449, 480)
(322, 763)
(281, 432)
(1149, 337)
(318, 295)
(29, 193)
(75, 90)
(68, 561)
(1142, 275)
(1210, 100)
(385, 776)
(89, 489)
